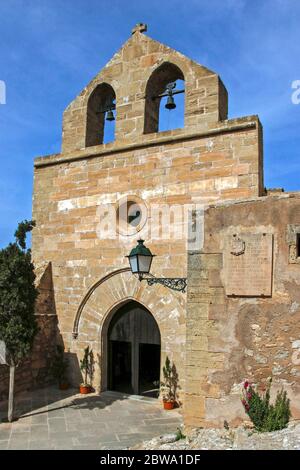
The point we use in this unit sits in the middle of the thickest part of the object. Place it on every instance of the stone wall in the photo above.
(68, 196)
(233, 335)
(210, 159)
(34, 372)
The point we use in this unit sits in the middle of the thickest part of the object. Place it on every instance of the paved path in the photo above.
(53, 419)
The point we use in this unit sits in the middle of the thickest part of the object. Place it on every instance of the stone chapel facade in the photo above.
(240, 315)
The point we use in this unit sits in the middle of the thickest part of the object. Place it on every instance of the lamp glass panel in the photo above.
(144, 263)
(133, 264)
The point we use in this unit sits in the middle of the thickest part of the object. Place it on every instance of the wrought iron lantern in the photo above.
(140, 260)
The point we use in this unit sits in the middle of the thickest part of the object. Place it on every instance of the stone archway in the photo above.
(105, 297)
(133, 350)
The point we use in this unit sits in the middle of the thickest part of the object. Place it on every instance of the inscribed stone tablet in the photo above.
(248, 264)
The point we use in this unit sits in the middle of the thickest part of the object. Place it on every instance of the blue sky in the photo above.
(50, 49)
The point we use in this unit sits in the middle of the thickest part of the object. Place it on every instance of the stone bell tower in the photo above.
(128, 78)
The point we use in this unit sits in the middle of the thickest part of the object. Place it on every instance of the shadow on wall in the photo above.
(35, 371)
(74, 373)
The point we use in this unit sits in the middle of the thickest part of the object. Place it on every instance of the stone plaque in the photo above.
(2, 352)
(248, 264)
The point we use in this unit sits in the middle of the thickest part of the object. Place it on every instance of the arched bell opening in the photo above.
(100, 125)
(165, 103)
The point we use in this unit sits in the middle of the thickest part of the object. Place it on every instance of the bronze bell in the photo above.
(170, 103)
(110, 115)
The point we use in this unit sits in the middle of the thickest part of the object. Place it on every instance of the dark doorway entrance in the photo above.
(121, 366)
(134, 351)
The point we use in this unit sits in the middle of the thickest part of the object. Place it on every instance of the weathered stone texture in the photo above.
(243, 336)
(34, 371)
(248, 264)
(128, 73)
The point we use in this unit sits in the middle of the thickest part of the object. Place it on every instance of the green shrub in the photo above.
(87, 366)
(265, 416)
(169, 386)
(180, 435)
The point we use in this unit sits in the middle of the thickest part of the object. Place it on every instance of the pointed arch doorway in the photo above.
(133, 343)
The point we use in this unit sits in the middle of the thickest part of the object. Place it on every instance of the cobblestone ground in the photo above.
(53, 419)
(221, 439)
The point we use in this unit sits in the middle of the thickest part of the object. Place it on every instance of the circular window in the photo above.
(131, 215)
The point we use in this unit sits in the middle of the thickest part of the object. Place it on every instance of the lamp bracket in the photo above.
(175, 283)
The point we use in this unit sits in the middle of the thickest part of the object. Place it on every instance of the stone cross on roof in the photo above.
(139, 28)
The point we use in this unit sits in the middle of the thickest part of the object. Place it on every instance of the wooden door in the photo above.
(133, 351)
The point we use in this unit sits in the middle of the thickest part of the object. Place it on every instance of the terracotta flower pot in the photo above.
(169, 405)
(84, 389)
(63, 386)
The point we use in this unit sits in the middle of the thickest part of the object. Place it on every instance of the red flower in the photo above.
(246, 384)
(249, 396)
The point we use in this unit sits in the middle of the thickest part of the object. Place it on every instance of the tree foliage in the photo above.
(18, 294)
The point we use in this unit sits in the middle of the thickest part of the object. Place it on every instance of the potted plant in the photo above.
(59, 368)
(169, 385)
(87, 367)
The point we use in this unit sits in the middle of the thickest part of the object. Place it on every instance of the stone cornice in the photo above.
(149, 140)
